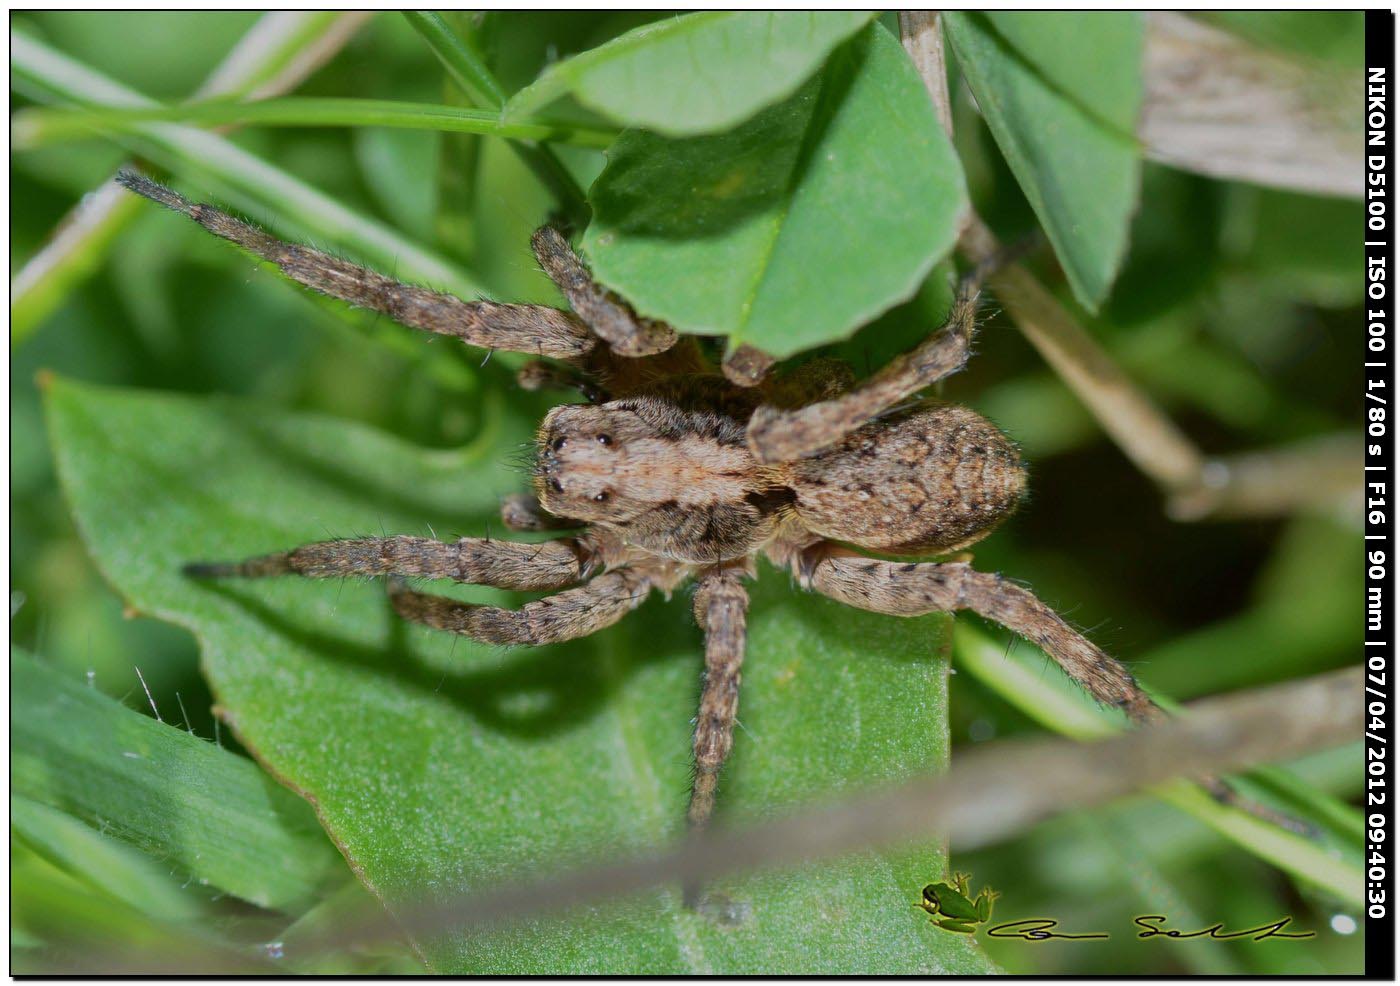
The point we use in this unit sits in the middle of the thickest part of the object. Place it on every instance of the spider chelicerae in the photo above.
(676, 469)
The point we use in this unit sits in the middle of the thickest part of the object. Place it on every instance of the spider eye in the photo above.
(605, 440)
(556, 486)
(558, 443)
(601, 498)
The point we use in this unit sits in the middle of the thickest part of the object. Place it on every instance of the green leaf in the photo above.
(402, 169)
(695, 74)
(437, 763)
(207, 811)
(1061, 94)
(1107, 86)
(796, 228)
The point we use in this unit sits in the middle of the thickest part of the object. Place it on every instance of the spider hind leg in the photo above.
(479, 561)
(721, 609)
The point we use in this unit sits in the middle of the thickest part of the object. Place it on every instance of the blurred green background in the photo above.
(1237, 311)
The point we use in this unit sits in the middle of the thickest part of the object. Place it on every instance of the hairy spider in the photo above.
(675, 470)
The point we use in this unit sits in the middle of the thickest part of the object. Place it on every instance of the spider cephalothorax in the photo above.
(677, 469)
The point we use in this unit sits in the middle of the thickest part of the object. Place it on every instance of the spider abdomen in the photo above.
(936, 478)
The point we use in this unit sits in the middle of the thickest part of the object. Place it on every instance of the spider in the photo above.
(675, 469)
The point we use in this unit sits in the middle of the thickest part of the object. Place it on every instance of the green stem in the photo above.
(460, 57)
(474, 76)
(37, 126)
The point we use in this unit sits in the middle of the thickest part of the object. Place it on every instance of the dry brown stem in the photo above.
(989, 795)
(1217, 105)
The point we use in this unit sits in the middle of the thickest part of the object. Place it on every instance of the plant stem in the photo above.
(33, 127)
(1056, 704)
(474, 76)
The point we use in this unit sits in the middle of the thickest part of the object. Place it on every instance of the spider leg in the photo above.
(611, 318)
(523, 512)
(721, 609)
(777, 435)
(503, 564)
(535, 329)
(539, 375)
(567, 615)
(746, 365)
(914, 589)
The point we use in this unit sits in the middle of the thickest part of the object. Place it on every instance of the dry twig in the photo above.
(989, 795)
(1217, 105)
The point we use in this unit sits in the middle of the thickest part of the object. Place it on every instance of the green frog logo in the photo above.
(952, 907)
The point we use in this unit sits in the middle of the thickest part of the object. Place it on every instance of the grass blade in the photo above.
(462, 61)
(280, 50)
(475, 78)
(249, 182)
(213, 814)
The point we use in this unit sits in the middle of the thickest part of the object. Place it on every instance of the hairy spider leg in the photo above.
(567, 615)
(919, 588)
(523, 512)
(625, 332)
(778, 435)
(721, 610)
(538, 330)
(502, 564)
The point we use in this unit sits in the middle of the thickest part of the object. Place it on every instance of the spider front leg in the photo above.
(541, 375)
(776, 435)
(523, 512)
(503, 564)
(535, 329)
(625, 332)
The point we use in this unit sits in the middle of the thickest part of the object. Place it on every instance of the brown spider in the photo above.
(675, 471)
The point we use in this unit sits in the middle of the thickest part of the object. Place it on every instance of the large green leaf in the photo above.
(436, 763)
(799, 226)
(212, 814)
(1061, 94)
(695, 74)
